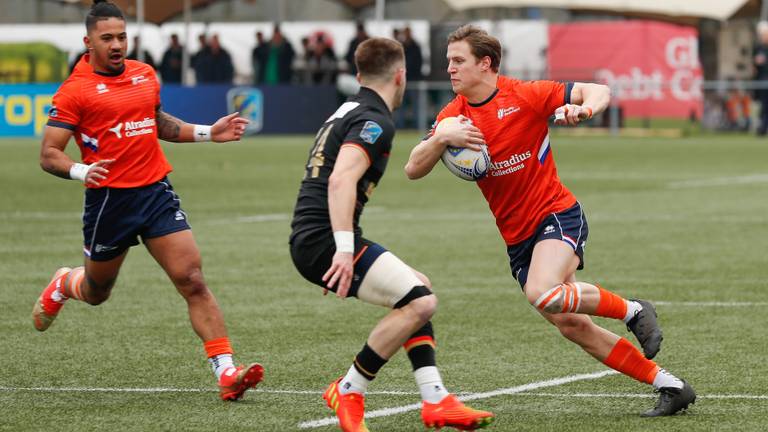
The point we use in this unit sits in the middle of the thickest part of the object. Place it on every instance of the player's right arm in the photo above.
(351, 164)
(53, 159)
(426, 154)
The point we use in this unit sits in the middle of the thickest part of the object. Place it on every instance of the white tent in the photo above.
(714, 9)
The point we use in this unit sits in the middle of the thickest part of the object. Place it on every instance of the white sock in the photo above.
(430, 384)
(56, 295)
(633, 307)
(353, 381)
(221, 363)
(666, 379)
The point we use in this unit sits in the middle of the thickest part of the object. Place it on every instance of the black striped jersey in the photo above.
(365, 121)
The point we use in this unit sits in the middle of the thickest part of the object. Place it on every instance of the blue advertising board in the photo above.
(271, 109)
(24, 108)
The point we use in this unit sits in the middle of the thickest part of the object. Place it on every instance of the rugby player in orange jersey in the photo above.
(541, 222)
(112, 108)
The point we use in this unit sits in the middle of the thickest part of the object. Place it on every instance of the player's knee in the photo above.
(420, 302)
(546, 300)
(573, 327)
(191, 283)
(98, 292)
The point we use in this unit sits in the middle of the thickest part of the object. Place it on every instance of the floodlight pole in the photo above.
(380, 5)
(140, 25)
(185, 57)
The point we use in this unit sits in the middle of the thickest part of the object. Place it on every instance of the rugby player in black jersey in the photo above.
(347, 160)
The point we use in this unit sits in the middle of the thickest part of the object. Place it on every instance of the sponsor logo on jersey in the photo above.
(514, 163)
(135, 128)
(101, 88)
(503, 112)
(116, 130)
(91, 143)
(138, 79)
(371, 132)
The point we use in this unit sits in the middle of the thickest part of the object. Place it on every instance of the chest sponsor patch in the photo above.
(371, 132)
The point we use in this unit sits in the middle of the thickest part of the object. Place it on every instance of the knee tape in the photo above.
(563, 298)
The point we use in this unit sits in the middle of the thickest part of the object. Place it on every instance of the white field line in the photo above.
(638, 395)
(710, 304)
(180, 390)
(485, 395)
(719, 181)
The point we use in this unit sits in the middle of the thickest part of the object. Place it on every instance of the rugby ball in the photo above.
(464, 163)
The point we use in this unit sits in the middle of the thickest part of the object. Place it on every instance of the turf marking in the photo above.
(719, 181)
(712, 303)
(472, 396)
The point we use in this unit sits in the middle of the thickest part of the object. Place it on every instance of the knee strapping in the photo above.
(413, 294)
(563, 298)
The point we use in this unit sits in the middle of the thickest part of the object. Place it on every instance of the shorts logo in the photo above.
(371, 132)
(103, 248)
(179, 216)
(549, 229)
(101, 88)
(91, 143)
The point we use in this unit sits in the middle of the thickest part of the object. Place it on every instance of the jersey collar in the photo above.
(85, 66)
(374, 97)
(488, 99)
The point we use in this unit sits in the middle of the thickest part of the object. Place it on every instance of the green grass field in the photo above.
(683, 223)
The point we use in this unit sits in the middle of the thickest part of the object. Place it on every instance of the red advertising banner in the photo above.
(652, 67)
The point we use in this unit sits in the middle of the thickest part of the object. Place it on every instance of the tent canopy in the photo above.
(719, 9)
(155, 11)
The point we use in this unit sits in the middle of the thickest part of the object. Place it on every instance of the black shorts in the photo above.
(114, 218)
(569, 226)
(312, 255)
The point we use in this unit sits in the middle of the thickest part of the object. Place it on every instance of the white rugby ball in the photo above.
(464, 163)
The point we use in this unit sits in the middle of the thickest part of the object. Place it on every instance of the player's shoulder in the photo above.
(133, 67)
(453, 108)
(72, 86)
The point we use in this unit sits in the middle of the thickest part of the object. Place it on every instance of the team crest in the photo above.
(249, 102)
(371, 132)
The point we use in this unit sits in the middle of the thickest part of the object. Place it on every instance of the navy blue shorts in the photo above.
(569, 226)
(313, 256)
(114, 218)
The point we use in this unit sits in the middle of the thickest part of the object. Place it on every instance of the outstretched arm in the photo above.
(227, 128)
(54, 161)
(587, 100)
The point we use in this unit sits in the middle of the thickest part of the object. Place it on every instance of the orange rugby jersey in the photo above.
(522, 186)
(113, 117)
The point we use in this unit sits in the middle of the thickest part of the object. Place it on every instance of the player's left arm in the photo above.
(228, 128)
(351, 164)
(587, 100)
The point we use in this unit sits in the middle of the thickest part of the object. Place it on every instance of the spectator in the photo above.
(760, 59)
(199, 59)
(259, 56)
(396, 35)
(134, 54)
(322, 64)
(278, 69)
(360, 36)
(407, 116)
(737, 108)
(300, 66)
(216, 66)
(170, 66)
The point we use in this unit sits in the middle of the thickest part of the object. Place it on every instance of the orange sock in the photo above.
(71, 288)
(610, 305)
(627, 359)
(217, 346)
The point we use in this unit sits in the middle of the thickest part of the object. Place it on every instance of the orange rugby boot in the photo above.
(349, 408)
(450, 412)
(46, 308)
(236, 380)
